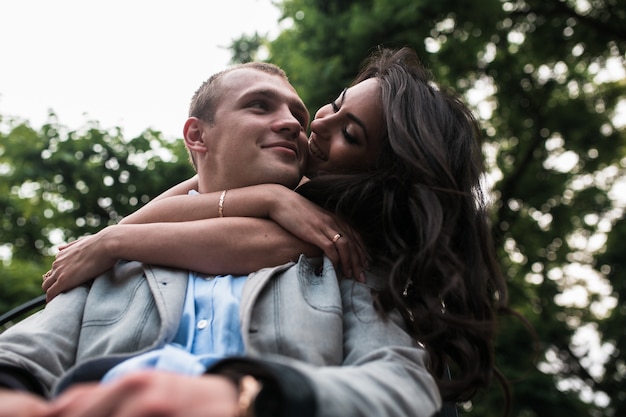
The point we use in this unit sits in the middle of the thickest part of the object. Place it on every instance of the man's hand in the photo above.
(149, 394)
(21, 404)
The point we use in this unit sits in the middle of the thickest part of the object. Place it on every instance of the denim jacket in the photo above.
(309, 327)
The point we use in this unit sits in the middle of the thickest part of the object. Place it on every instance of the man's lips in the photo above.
(284, 144)
(315, 150)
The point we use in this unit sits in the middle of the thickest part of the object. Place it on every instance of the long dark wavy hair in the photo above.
(422, 215)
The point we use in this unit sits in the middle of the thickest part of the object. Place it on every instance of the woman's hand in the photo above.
(307, 221)
(77, 262)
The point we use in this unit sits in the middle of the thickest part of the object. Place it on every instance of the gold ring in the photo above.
(46, 275)
(336, 237)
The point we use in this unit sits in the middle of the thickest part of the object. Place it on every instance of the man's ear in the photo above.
(193, 135)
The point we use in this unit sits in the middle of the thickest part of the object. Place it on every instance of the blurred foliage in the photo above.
(535, 72)
(57, 185)
(246, 48)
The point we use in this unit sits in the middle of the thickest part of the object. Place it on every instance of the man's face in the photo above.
(259, 132)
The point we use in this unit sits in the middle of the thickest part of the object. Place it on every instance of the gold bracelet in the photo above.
(249, 388)
(220, 204)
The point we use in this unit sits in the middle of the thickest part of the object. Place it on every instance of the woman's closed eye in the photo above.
(349, 138)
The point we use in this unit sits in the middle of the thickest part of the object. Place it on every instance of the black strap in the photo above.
(448, 410)
(22, 309)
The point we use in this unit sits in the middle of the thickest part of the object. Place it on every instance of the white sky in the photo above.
(128, 63)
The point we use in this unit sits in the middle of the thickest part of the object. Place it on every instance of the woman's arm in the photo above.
(225, 245)
(211, 246)
(179, 189)
(290, 210)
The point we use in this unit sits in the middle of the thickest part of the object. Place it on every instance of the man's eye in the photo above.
(259, 104)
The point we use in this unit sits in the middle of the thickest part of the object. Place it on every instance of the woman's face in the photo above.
(347, 134)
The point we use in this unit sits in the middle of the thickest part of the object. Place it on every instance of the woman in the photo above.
(398, 161)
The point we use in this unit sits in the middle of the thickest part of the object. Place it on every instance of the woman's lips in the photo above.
(315, 151)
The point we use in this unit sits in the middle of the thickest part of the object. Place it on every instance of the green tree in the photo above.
(58, 184)
(535, 72)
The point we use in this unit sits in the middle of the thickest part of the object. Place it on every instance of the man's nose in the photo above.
(288, 123)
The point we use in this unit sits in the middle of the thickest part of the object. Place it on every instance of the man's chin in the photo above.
(288, 179)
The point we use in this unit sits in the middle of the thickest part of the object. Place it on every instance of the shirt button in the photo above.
(202, 324)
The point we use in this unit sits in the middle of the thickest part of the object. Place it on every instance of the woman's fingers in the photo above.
(352, 258)
(346, 255)
(48, 280)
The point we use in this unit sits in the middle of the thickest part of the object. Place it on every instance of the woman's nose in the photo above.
(321, 124)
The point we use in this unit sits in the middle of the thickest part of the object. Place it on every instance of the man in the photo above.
(313, 345)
